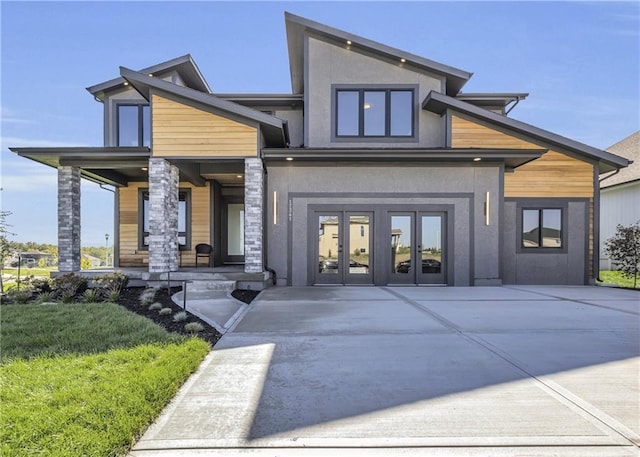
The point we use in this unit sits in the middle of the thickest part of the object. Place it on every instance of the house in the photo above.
(620, 194)
(448, 188)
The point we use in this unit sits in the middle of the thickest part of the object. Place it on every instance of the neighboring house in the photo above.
(30, 259)
(620, 194)
(369, 132)
(92, 260)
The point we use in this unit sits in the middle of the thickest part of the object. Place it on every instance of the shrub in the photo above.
(112, 281)
(91, 296)
(155, 306)
(69, 285)
(180, 316)
(147, 296)
(113, 295)
(39, 285)
(624, 249)
(44, 297)
(19, 297)
(67, 297)
(193, 327)
(165, 311)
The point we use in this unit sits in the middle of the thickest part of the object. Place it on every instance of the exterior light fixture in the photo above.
(239, 176)
(289, 159)
(477, 159)
(403, 60)
(126, 83)
(349, 42)
(486, 209)
(144, 168)
(275, 207)
(150, 74)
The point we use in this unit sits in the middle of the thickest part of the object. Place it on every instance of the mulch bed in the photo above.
(130, 299)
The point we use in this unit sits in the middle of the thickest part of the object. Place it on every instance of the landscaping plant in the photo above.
(624, 249)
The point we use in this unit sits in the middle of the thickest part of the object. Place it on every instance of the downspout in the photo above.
(265, 250)
(517, 100)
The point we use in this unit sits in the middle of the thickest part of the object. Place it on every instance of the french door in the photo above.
(344, 249)
(417, 247)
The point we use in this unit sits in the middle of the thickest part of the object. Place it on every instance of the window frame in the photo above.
(144, 192)
(141, 130)
(361, 89)
(540, 207)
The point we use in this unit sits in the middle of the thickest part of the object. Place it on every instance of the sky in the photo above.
(578, 61)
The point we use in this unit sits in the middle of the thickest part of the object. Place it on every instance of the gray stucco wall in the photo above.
(295, 123)
(330, 64)
(474, 256)
(536, 267)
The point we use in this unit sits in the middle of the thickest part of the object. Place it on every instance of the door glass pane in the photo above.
(348, 112)
(328, 241)
(401, 113)
(431, 244)
(401, 244)
(374, 113)
(359, 244)
(235, 229)
(552, 228)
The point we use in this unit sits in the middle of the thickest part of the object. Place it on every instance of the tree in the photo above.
(6, 246)
(624, 249)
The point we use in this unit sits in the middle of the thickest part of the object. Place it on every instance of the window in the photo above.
(542, 228)
(184, 219)
(374, 113)
(134, 125)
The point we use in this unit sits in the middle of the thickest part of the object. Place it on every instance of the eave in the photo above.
(298, 26)
(438, 103)
(114, 166)
(512, 158)
(274, 129)
(184, 65)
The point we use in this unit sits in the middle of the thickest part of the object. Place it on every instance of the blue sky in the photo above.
(578, 61)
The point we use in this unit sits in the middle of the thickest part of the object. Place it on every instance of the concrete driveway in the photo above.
(379, 371)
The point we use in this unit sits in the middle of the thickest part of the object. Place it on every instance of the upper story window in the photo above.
(374, 113)
(541, 228)
(134, 125)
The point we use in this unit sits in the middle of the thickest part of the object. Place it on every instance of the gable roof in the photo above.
(298, 26)
(439, 104)
(630, 149)
(274, 129)
(184, 65)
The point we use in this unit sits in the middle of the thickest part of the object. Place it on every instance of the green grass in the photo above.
(616, 277)
(25, 271)
(75, 385)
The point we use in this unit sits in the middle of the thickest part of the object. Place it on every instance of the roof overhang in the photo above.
(512, 158)
(185, 66)
(438, 103)
(274, 129)
(103, 165)
(297, 27)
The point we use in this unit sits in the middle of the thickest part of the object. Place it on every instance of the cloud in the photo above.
(9, 116)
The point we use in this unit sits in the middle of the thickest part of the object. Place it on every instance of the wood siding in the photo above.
(181, 130)
(130, 254)
(552, 175)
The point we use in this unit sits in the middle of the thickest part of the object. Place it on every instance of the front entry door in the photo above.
(344, 248)
(417, 248)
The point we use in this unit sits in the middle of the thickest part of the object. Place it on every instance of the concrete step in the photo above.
(208, 285)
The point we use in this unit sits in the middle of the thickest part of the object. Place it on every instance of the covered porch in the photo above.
(163, 208)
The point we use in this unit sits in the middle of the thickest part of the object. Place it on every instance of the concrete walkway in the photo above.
(216, 307)
(491, 371)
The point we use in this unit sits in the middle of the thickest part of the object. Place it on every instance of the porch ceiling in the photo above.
(115, 166)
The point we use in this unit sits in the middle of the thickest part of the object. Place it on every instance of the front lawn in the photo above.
(617, 278)
(85, 379)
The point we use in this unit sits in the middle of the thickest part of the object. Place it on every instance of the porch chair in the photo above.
(204, 250)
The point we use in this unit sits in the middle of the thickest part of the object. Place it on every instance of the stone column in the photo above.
(253, 210)
(68, 218)
(163, 216)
